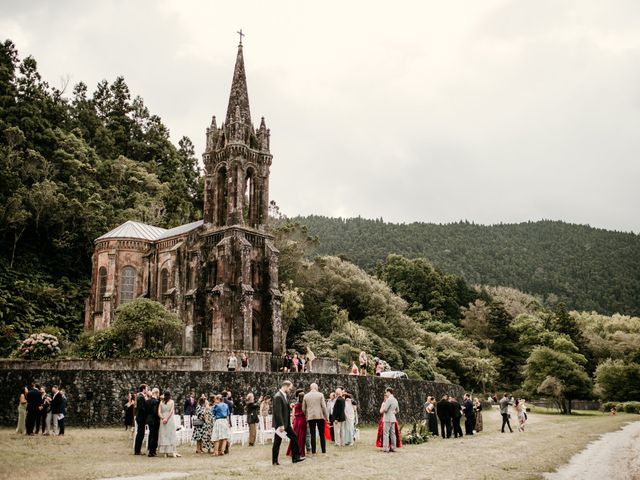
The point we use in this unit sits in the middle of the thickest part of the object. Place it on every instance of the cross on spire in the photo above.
(239, 32)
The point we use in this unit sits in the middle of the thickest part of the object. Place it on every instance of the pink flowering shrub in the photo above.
(39, 346)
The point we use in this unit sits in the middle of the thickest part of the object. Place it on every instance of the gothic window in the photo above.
(249, 207)
(221, 197)
(102, 288)
(189, 277)
(127, 285)
(164, 283)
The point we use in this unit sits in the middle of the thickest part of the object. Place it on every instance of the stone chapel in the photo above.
(219, 274)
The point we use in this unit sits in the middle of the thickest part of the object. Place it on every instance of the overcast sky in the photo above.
(491, 111)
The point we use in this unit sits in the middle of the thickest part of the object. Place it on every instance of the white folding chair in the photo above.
(265, 429)
(236, 433)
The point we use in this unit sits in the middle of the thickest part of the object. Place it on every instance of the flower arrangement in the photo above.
(38, 346)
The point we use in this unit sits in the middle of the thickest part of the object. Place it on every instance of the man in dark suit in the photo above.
(339, 418)
(469, 415)
(56, 409)
(443, 409)
(282, 423)
(34, 400)
(190, 405)
(153, 420)
(141, 418)
(456, 415)
(63, 412)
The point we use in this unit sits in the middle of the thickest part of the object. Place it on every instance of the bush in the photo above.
(38, 346)
(632, 407)
(422, 368)
(413, 375)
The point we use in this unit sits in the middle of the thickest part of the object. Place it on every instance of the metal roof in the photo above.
(131, 229)
(180, 230)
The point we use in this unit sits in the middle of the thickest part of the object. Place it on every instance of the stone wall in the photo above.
(96, 397)
(213, 360)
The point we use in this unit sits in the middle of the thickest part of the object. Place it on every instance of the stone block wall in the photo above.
(96, 397)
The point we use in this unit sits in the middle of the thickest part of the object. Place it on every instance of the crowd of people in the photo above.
(40, 411)
(149, 413)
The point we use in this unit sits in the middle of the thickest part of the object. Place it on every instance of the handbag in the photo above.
(197, 422)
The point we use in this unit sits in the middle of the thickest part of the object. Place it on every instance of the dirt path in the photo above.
(615, 455)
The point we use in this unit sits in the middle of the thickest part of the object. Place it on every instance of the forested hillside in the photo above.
(73, 165)
(585, 268)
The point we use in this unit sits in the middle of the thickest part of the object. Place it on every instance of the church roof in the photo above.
(131, 229)
(239, 97)
(180, 230)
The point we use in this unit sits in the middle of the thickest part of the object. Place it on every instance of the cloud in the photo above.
(433, 111)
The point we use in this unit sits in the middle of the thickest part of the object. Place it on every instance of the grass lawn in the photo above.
(550, 440)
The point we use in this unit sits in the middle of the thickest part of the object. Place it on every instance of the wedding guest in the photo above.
(141, 418)
(339, 418)
(456, 416)
(521, 411)
(54, 412)
(45, 412)
(167, 440)
(469, 415)
(282, 423)
(244, 362)
(63, 412)
(190, 404)
(265, 406)
(316, 413)
(22, 411)
(310, 358)
(350, 420)
(287, 363)
(220, 413)
(299, 426)
(504, 411)
(477, 406)
(330, 403)
(364, 363)
(389, 410)
(201, 431)
(295, 362)
(153, 421)
(379, 438)
(129, 408)
(228, 400)
(432, 419)
(444, 414)
(252, 407)
(34, 401)
(378, 367)
(232, 362)
(354, 369)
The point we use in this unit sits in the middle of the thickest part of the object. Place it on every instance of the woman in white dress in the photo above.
(349, 424)
(167, 441)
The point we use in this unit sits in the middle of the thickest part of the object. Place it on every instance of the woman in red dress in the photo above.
(381, 427)
(299, 425)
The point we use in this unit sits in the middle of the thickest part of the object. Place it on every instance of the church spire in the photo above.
(239, 97)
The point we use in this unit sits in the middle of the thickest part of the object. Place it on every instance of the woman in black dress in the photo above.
(128, 412)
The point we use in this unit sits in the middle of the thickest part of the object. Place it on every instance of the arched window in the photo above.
(164, 283)
(221, 197)
(249, 206)
(127, 284)
(102, 288)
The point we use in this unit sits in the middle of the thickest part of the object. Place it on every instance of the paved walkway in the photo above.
(615, 455)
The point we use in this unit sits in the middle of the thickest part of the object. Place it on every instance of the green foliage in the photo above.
(142, 328)
(422, 369)
(617, 380)
(418, 434)
(586, 268)
(548, 370)
(70, 170)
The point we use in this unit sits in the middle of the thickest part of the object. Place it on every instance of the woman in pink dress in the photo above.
(299, 425)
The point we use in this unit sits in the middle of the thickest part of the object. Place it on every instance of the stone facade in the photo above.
(220, 275)
(96, 397)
